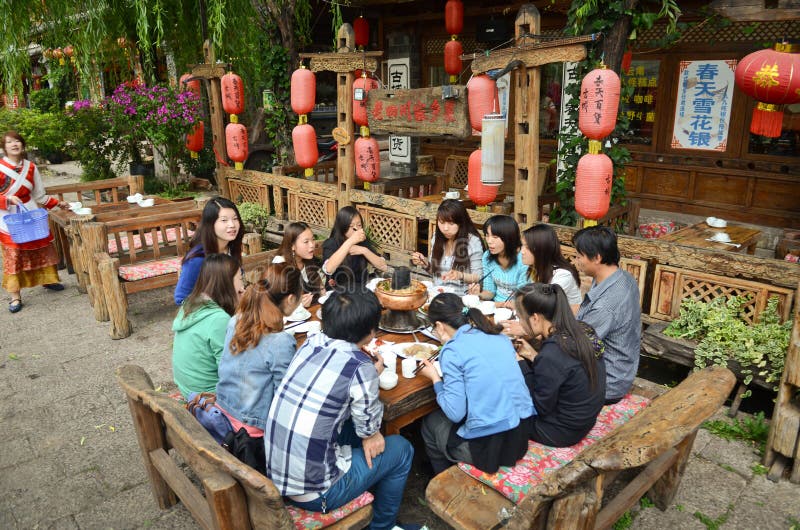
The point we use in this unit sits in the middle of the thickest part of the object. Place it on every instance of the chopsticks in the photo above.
(432, 358)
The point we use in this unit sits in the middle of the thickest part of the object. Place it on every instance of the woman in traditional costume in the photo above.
(35, 262)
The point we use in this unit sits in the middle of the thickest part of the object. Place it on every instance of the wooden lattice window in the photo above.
(318, 212)
(389, 229)
(242, 191)
(673, 284)
(456, 169)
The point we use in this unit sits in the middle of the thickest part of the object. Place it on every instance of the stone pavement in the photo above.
(70, 457)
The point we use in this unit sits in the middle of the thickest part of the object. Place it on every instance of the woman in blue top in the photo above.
(257, 351)
(486, 408)
(503, 269)
(220, 231)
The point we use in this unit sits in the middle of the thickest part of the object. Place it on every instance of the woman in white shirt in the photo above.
(541, 251)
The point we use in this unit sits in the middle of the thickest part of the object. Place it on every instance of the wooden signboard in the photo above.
(419, 112)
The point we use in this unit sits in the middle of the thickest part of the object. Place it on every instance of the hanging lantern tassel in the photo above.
(599, 103)
(593, 182)
(368, 158)
(771, 77)
(493, 149)
(361, 88)
(194, 140)
(304, 141)
(481, 99)
(479, 193)
(236, 143)
(232, 95)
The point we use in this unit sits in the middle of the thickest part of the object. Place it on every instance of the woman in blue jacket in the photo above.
(486, 408)
(220, 231)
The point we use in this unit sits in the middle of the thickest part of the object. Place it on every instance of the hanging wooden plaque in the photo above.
(419, 111)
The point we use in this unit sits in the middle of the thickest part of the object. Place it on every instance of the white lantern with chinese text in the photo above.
(493, 149)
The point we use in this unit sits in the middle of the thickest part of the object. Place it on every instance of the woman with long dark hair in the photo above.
(297, 249)
(541, 251)
(503, 270)
(347, 252)
(220, 231)
(566, 377)
(257, 352)
(455, 249)
(201, 324)
(486, 409)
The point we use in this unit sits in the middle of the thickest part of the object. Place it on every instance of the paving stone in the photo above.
(16, 450)
(654, 519)
(731, 455)
(708, 488)
(7, 520)
(176, 518)
(134, 508)
(767, 504)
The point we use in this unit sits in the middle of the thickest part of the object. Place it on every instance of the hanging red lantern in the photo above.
(187, 83)
(593, 180)
(482, 99)
(772, 77)
(452, 57)
(361, 30)
(627, 58)
(194, 140)
(232, 95)
(368, 159)
(599, 103)
(479, 193)
(361, 88)
(236, 143)
(304, 141)
(454, 16)
(304, 87)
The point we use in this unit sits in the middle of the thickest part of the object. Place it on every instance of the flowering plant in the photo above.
(159, 114)
(89, 140)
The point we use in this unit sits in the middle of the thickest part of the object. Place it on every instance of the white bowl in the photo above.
(387, 380)
(146, 203)
(722, 237)
(136, 197)
(716, 222)
(502, 313)
(75, 205)
(471, 300)
(83, 211)
(487, 307)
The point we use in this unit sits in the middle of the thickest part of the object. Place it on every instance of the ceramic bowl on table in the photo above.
(715, 222)
(83, 211)
(502, 313)
(136, 197)
(146, 203)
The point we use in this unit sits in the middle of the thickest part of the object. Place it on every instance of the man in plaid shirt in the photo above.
(322, 438)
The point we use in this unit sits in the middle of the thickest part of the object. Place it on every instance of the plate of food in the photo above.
(416, 350)
(300, 314)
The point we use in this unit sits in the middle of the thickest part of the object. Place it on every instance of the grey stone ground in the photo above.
(70, 460)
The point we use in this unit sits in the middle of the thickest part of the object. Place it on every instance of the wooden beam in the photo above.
(530, 57)
(342, 61)
(346, 159)
(215, 106)
(208, 71)
(756, 10)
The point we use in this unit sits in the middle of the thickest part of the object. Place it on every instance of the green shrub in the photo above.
(45, 100)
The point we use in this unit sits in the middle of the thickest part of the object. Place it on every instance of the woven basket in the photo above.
(26, 226)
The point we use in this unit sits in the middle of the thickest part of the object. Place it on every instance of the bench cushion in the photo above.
(656, 230)
(149, 269)
(172, 234)
(305, 520)
(515, 482)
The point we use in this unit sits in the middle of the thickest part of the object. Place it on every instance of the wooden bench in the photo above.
(236, 495)
(659, 440)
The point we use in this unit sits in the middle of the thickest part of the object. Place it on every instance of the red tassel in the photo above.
(767, 120)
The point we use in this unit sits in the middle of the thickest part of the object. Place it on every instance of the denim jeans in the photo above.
(386, 480)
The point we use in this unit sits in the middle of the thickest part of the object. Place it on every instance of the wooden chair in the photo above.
(98, 191)
(237, 497)
(658, 440)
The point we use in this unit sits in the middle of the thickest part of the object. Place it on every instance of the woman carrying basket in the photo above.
(32, 263)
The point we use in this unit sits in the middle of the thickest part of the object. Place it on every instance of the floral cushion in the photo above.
(172, 234)
(305, 520)
(149, 269)
(515, 482)
(656, 230)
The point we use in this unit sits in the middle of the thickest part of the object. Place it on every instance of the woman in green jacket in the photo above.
(201, 324)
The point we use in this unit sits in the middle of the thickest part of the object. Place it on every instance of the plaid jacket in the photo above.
(327, 382)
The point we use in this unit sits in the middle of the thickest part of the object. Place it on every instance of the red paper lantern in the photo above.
(599, 103)
(232, 95)
(452, 57)
(186, 83)
(481, 99)
(304, 141)
(593, 181)
(360, 106)
(236, 143)
(772, 77)
(361, 30)
(627, 58)
(194, 140)
(368, 159)
(454, 16)
(304, 88)
(479, 193)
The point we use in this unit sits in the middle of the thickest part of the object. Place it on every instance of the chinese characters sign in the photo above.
(640, 107)
(418, 112)
(703, 106)
(399, 77)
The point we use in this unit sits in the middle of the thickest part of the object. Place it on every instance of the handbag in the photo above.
(247, 449)
(203, 407)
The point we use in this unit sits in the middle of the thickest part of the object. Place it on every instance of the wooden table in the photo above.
(410, 187)
(697, 235)
(101, 212)
(411, 399)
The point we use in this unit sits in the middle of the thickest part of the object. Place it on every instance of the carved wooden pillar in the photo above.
(345, 163)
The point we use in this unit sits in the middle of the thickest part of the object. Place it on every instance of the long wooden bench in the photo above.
(236, 496)
(658, 440)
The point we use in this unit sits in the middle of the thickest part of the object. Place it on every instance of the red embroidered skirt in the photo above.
(29, 268)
